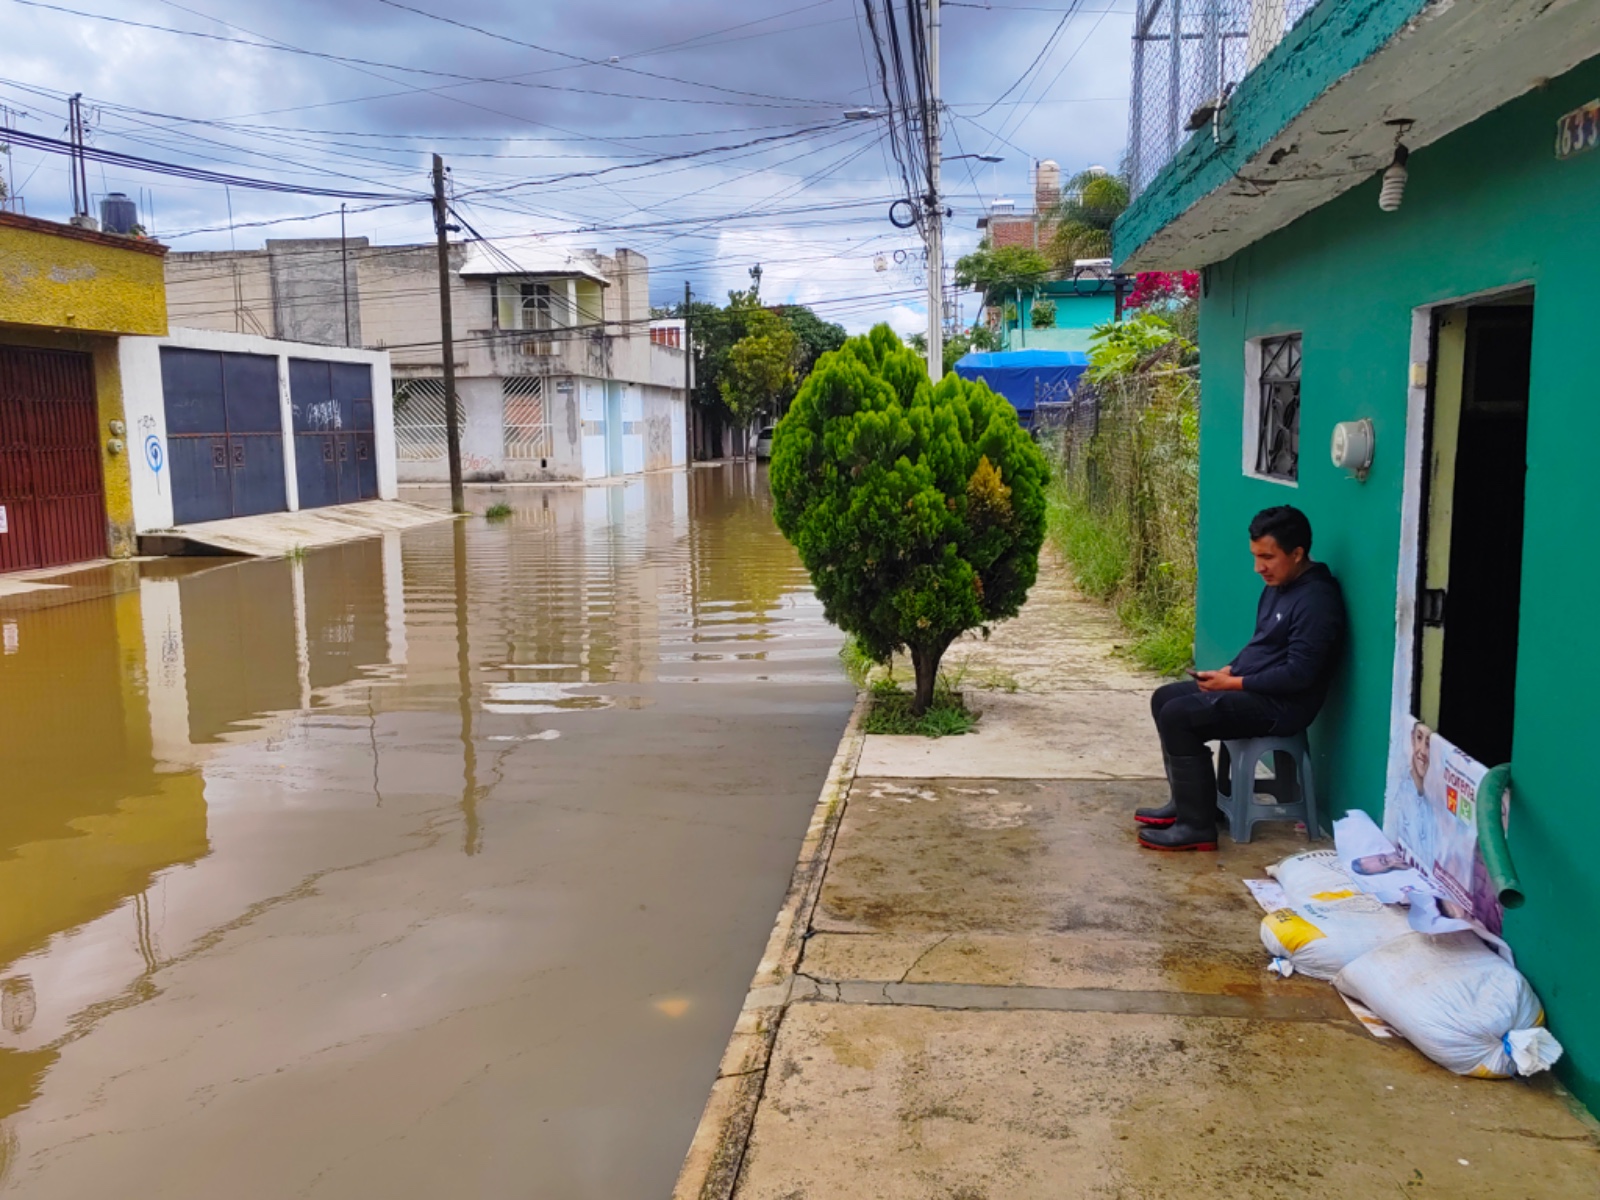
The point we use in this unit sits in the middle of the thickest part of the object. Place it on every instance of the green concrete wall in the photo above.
(1076, 317)
(1487, 207)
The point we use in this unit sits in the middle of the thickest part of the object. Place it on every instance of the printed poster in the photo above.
(1430, 816)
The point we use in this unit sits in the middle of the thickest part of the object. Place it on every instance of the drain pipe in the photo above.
(1492, 836)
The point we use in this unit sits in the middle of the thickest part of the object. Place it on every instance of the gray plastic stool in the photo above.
(1294, 790)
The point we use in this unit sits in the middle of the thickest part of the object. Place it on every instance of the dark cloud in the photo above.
(508, 116)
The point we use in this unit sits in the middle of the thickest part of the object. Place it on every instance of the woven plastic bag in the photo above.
(1457, 1001)
(1329, 921)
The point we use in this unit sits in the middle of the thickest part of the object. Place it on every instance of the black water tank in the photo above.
(118, 214)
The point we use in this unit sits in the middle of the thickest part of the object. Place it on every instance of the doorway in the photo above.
(1470, 571)
(224, 434)
(52, 487)
(334, 452)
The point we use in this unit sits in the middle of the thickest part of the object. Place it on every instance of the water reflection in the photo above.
(203, 758)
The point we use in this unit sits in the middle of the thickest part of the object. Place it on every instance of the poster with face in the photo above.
(1430, 815)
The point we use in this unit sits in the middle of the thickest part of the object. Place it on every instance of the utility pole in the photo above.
(344, 273)
(76, 165)
(691, 422)
(452, 414)
(935, 207)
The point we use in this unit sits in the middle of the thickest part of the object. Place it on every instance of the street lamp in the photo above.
(984, 158)
(863, 114)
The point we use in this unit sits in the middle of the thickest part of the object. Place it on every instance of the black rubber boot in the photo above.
(1161, 817)
(1194, 792)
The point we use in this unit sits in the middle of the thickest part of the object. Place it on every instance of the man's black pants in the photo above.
(1187, 718)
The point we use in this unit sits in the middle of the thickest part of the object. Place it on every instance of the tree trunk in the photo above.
(926, 664)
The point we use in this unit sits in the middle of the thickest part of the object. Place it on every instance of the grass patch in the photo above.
(1163, 643)
(890, 712)
(296, 554)
(857, 666)
(497, 512)
(1100, 550)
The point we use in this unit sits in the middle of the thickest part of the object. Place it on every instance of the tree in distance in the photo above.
(1090, 204)
(918, 508)
(1001, 274)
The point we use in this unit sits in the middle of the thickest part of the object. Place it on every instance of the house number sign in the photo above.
(1578, 130)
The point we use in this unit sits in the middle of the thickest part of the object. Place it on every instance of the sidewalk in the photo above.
(980, 988)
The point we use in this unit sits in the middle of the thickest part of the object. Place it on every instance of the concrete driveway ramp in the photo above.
(272, 535)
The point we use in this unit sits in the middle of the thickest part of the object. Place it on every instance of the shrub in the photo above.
(918, 508)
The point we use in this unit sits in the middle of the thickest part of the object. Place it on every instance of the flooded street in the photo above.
(431, 865)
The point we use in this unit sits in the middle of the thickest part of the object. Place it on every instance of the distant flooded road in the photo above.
(429, 866)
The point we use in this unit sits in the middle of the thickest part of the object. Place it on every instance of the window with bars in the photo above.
(527, 423)
(1278, 413)
(419, 419)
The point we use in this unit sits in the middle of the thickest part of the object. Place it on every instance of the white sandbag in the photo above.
(1457, 1001)
(1320, 938)
(1315, 875)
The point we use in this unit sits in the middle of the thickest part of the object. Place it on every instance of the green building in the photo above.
(1079, 303)
(1454, 323)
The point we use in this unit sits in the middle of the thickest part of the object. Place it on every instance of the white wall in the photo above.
(592, 411)
(140, 361)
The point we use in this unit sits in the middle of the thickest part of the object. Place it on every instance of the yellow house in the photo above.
(66, 295)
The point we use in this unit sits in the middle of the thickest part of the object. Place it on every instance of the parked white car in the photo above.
(764, 442)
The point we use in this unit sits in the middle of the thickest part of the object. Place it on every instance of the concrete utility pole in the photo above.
(447, 338)
(692, 424)
(935, 207)
(344, 273)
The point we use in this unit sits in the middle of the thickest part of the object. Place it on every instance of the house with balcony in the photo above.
(1391, 206)
(560, 374)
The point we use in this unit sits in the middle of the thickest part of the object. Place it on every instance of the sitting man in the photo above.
(1275, 685)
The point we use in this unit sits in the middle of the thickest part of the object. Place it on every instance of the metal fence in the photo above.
(419, 419)
(1187, 56)
(527, 421)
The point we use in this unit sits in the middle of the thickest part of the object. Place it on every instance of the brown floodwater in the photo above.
(432, 865)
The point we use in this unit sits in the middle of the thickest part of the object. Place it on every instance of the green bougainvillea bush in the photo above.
(918, 508)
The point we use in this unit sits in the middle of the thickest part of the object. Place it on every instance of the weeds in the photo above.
(857, 666)
(497, 512)
(890, 712)
(296, 553)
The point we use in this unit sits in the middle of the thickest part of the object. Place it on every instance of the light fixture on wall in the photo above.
(1353, 443)
(1394, 180)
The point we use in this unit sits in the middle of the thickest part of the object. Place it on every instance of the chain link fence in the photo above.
(1126, 500)
(1187, 56)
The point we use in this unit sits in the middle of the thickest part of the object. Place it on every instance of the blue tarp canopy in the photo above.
(1026, 376)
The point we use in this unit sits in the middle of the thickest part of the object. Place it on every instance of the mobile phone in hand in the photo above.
(1191, 672)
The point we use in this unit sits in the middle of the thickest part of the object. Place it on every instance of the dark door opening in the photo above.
(1472, 562)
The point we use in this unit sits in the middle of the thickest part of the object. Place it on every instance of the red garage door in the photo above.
(52, 492)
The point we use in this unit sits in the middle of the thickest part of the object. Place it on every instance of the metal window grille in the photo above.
(1187, 56)
(527, 421)
(1278, 431)
(419, 420)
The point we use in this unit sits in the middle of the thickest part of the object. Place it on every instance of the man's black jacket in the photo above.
(1291, 658)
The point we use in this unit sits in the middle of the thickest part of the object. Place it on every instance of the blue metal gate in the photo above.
(224, 434)
(335, 453)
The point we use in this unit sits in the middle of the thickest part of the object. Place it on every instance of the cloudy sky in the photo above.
(355, 95)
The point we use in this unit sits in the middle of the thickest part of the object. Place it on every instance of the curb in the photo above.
(711, 1168)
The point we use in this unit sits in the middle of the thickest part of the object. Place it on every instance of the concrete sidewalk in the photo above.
(981, 989)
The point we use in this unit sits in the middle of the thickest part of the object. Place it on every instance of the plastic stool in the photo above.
(1295, 793)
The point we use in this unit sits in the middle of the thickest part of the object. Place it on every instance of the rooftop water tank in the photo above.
(118, 214)
(1047, 186)
(1002, 207)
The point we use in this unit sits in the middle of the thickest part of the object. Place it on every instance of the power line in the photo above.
(201, 174)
